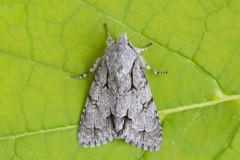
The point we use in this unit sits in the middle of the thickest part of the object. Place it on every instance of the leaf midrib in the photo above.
(199, 105)
(163, 112)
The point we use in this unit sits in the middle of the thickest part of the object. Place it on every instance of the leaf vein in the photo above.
(235, 129)
(163, 112)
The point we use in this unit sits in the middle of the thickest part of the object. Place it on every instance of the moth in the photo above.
(120, 103)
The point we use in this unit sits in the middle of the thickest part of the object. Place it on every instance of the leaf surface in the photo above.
(42, 43)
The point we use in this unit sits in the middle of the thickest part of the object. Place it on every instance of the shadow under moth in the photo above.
(120, 103)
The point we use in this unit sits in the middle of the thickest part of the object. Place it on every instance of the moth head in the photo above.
(122, 40)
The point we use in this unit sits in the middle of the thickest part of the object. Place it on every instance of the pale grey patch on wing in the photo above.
(96, 125)
(142, 127)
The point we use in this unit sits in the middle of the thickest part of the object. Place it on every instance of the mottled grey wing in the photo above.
(96, 126)
(142, 127)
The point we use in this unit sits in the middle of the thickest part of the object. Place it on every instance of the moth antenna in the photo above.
(109, 38)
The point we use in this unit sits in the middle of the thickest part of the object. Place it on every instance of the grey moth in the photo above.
(120, 103)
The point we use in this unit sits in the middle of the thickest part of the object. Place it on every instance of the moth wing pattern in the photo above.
(142, 127)
(120, 103)
(96, 126)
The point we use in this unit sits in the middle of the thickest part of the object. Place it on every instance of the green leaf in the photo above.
(43, 42)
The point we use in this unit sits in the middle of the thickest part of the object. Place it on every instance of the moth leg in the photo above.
(93, 69)
(146, 66)
(139, 50)
(109, 38)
